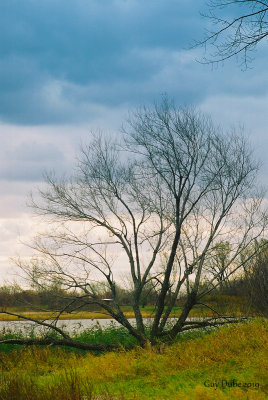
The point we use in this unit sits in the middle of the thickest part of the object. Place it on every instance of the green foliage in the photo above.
(164, 372)
(112, 334)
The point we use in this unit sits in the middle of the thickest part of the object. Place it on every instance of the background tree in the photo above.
(239, 26)
(157, 203)
(256, 279)
(250, 285)
(218, 264)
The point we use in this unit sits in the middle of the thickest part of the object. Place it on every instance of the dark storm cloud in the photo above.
(62, 61)
(59, 56)
(85, 41)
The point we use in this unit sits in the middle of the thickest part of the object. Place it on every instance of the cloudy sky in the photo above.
(69, 67)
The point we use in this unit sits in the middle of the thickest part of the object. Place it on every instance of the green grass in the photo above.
(165, 372)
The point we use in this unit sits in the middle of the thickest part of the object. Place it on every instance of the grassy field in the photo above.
(228, 305)
(189, 369)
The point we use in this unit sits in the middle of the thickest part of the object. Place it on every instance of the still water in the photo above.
(70, 326)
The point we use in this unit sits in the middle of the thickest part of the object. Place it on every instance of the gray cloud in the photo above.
(59, 60)
(248, 113)
(84, 44)
(76, 62)
(28, 160)
(71, 66)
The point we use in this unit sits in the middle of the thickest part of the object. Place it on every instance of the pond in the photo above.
(71, 325)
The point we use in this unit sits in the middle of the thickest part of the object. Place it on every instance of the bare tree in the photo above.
(157, 202)
(239, 26)
(255, 279)
(217, 262)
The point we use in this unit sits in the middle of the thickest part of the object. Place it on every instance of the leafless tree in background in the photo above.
(255, 279)
(239, 27)
(217, 262)
(158, 202)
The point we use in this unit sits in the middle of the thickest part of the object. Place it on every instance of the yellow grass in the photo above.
(224, 304)
(177, 372)
(79, 315)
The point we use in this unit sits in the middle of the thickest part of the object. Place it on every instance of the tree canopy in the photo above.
(154, 204)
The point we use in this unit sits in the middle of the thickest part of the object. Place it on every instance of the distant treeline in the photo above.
(55, 297)
(251, 286)
(52, 298)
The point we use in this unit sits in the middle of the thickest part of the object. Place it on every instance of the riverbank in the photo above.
(147, 312)
(228, 363)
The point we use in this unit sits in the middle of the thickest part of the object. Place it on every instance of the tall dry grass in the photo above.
(165, 372)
